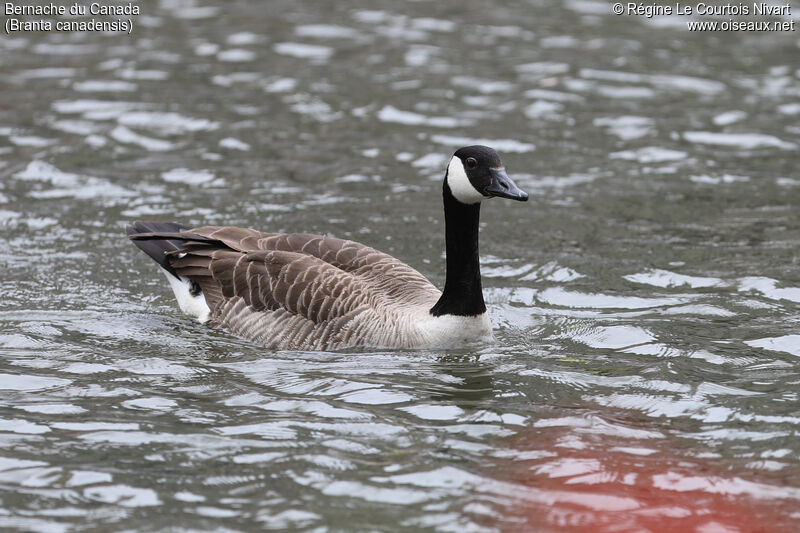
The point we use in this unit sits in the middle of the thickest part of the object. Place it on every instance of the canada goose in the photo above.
(309, 292)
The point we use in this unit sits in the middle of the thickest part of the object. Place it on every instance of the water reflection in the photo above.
(468, 381)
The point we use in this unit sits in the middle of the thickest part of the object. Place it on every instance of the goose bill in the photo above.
(503, 187)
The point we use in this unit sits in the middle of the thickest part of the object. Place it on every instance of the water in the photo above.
(645, 372)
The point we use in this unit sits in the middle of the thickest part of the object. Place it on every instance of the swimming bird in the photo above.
(310, 292)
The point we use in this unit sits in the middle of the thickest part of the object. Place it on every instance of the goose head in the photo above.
(476, 173)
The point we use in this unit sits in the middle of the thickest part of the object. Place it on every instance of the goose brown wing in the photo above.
(317, 278)
(269, 280)
(389, 276)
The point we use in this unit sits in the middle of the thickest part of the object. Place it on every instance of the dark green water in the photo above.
(646, 366)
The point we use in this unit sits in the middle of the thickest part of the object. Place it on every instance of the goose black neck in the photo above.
(462, 294)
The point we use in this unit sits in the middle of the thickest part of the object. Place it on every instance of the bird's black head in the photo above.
(476, 172)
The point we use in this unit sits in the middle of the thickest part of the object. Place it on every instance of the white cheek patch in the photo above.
(459, 183)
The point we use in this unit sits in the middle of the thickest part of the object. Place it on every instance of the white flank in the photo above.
(454, 330)
(195, 306)
(459, 183)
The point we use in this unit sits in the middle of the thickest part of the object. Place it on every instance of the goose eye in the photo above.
(471, 162)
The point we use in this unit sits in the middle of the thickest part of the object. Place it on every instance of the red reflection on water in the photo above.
(571, 483)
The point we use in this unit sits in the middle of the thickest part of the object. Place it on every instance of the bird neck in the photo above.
(462, 294)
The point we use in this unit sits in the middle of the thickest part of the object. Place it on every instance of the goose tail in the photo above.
(153, 239)
(160, 240)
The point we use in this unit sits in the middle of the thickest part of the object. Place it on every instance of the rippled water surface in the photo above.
(646, 368)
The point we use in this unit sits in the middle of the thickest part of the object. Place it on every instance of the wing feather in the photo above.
(346, 255)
